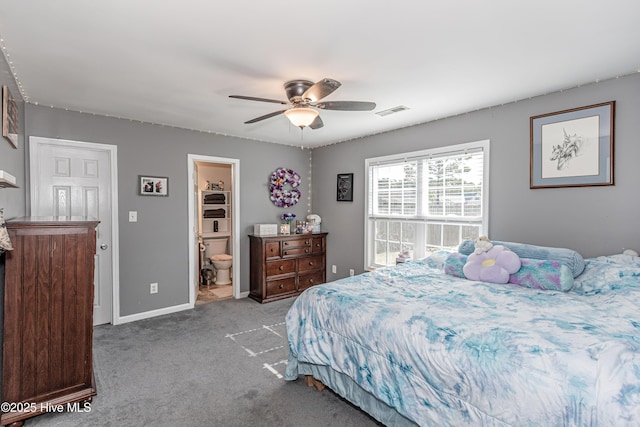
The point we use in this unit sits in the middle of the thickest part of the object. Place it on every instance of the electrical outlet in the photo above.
(351, 272)
(153, 288)
(334, 269)
(133, 216)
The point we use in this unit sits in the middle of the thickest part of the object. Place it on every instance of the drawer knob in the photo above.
(310, 280)
(286, 253)
(306, 242)
(317, 245)
(281, 267)
(281, 286)
(310, 263)
(306, 251)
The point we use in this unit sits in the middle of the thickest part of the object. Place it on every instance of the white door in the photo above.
(70, 178)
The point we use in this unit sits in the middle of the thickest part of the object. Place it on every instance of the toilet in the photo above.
(216, 252)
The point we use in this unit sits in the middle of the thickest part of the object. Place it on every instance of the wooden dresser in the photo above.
(48, 315)
(284, 266)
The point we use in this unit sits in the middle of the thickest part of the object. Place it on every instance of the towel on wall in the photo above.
(215, 213)
(215, 199)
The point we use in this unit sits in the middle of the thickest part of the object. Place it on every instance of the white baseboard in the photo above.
(153, 313)
(161, 311)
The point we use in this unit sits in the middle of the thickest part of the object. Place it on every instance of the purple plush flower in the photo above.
(493, 266)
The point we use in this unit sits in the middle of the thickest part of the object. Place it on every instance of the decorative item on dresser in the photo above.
(48, 315)
(284, 266)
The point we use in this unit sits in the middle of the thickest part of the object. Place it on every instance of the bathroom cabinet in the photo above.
(284, 266)
(215, 213)
(48, 315)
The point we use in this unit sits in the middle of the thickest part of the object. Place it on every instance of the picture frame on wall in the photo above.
(10, 117)
(573, 148)
(345, 187)
(153, 185)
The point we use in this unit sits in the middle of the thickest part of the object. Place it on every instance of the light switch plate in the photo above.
(133, 216)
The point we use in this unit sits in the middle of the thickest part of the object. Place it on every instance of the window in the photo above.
(424, 201)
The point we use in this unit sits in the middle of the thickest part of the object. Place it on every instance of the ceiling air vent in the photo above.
(392, 110)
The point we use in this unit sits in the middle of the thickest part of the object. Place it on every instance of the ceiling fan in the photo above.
(304, 94)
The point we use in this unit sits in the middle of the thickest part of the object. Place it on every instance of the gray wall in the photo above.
(12, 200)
(12, 160)
(155, 248)
(592, 220)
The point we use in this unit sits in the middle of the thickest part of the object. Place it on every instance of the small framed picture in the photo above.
(345, 187)
(153, 185)
(573, 148)
(10, 117)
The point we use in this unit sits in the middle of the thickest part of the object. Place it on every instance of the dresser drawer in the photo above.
(307, 280)
(283, 286)
(275, 268)
(317, 244)
(272, 250)
(296, 243)
(305, 250)
(310, 263)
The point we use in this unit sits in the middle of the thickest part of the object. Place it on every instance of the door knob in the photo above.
(104, 246)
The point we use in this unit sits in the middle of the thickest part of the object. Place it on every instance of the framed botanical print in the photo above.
(573, 148)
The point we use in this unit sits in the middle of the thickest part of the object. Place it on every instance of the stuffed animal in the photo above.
(494, 265)
(482, 244)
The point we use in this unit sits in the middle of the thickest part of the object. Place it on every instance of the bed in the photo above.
(412, 345)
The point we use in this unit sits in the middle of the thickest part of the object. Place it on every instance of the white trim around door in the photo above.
(192, 191)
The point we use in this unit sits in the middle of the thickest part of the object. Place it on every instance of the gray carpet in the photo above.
(220, 364)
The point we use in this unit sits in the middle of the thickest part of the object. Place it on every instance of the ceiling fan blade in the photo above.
(253, 98)
(321, 89)
(347, 105)
(266, 116)
(317, 123)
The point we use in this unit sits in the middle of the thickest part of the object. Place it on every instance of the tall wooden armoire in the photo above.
(48, 315)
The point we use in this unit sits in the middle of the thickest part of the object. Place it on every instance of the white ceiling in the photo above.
(175, 62)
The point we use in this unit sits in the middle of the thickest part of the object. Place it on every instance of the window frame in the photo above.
(444, 151)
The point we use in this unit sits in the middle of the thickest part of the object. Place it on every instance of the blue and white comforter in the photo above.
(446, 351)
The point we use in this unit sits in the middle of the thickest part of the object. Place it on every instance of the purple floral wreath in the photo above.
(279, 196)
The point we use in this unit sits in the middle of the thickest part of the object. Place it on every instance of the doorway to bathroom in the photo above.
(214, 255)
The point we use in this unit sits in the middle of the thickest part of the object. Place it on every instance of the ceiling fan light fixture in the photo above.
(301, 116)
